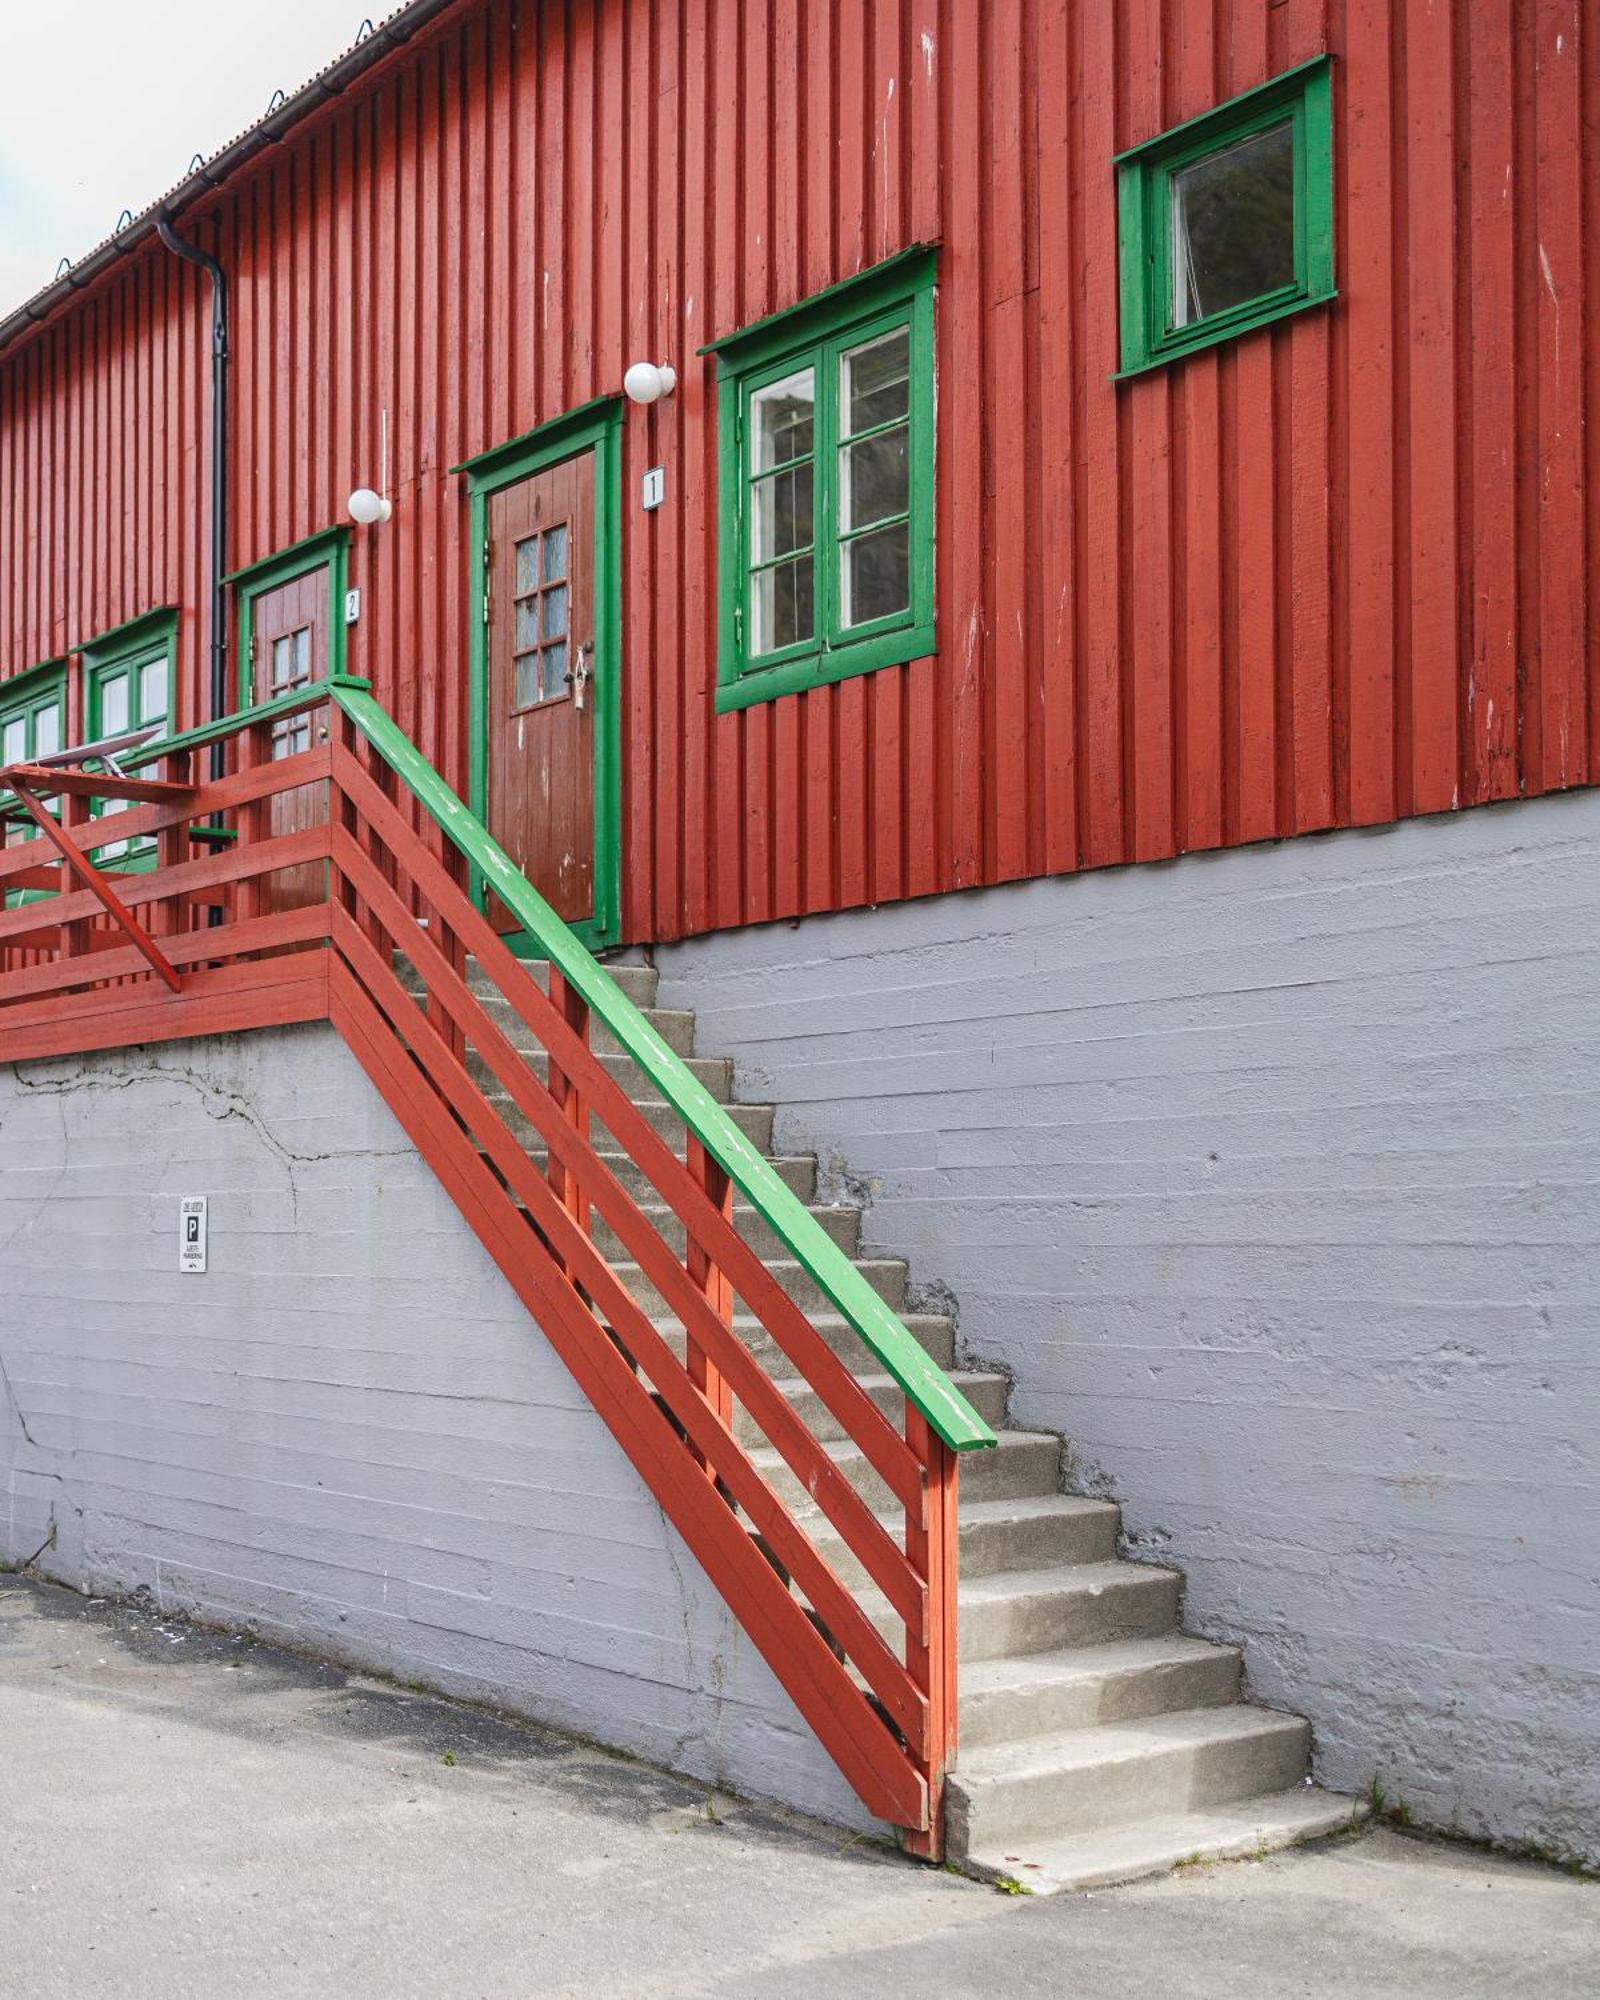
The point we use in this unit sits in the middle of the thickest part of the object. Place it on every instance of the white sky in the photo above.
(103, 103)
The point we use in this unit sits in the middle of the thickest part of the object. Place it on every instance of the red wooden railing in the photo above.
(222, 939)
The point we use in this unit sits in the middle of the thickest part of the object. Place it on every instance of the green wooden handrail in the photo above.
(926, 1385)
(313, 695)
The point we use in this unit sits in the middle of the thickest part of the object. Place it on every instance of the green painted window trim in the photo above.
(1144, 217)
(133, 645)
(25, 694)
(331, 547)
(130, 633)
(595, 426)
(814, 334)
(23, 688)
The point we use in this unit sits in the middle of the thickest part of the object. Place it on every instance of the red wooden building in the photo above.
(1327, 572)
(772, 458)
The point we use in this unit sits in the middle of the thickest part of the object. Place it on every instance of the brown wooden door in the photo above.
(289, 650)
(541, 684)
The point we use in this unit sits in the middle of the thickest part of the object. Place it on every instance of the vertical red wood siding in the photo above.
(1339, 571)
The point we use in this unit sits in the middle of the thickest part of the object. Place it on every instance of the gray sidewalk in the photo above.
(186, 1815)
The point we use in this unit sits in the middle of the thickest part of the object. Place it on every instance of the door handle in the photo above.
(578, 676)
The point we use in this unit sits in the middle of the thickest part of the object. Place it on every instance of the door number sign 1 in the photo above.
(192, 1233)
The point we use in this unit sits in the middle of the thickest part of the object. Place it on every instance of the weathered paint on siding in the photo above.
(1335, 573)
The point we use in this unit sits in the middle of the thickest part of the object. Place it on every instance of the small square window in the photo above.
(1226, 222)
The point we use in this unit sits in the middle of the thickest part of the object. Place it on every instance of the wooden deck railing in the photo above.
(230, 938)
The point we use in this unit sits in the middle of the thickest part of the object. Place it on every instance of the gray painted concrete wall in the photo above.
(347, 1434)
(1274, 1178)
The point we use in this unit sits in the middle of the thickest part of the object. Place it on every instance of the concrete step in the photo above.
(639, 982)
(886, 1276)
(1023, 1462)
(1237, 1832)
(986, 1392)
(1033, 1532)
(798, 1172)
(753, 1120)
(1043, 1610)
(1042, 1694)
(1021, 1612)
(841, 1225)
(675, 1026)
(935, 1332)
(1039, 1787)
(715, 1072)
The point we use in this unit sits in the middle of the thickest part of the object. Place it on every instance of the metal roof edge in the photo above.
(387, 35)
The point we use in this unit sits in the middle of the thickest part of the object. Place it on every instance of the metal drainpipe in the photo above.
(192, 254)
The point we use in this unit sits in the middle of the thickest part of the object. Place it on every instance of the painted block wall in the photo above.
(1274, 1178)
(347, 1435)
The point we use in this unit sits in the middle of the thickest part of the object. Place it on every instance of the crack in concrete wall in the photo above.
(347, 1434)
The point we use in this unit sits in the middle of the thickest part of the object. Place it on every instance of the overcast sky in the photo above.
(103, 103)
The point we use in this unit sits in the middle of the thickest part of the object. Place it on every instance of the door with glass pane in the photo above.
(289, 650)
(541, 712)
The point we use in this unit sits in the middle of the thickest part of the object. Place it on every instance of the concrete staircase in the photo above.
(1098, 1741)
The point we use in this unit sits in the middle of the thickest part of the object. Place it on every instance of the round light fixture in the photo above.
(645, 382)
(368, 508)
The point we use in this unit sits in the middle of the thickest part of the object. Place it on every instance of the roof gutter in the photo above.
(400, 28)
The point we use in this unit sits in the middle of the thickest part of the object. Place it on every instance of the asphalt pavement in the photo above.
(184, 1813)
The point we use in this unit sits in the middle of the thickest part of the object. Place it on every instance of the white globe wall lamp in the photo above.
(647, 382)
(368, 505)
(367, 508)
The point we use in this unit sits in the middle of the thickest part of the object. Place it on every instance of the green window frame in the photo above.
(33, 723)
(33, 713)
(129, 675)
(866, 322)
(1153, 332)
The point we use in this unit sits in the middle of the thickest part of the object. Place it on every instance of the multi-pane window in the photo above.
(543, 609)
(1227, 222)
(875, 479)
(289, 667)
(32, 721)
(782, 508)
(129, 690)
(827, 533)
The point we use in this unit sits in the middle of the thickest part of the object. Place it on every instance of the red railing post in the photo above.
(351, 821)
(75, 937)
(931, 1545)
(713, 1281)
(172, 848)
(569, 1100)
(451, 944)
(255, 818)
